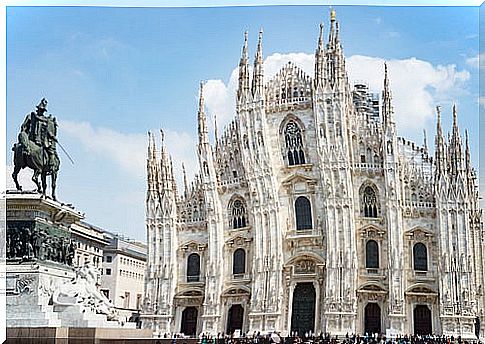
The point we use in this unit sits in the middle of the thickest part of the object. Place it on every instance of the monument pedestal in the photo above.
(43, 289)
(30, 287)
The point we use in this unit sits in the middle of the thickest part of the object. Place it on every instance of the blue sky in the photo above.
(112, 74)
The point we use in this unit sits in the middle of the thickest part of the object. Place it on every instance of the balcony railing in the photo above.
(302, 233)
(368, 167)
(192, 279)
(241, 277)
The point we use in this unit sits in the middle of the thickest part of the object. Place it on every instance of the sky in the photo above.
(112, 74)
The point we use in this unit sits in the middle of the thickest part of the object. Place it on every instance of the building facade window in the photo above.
(126, 301)
(372, 255)
(420, 257)
(193, 268)
(303, 213)
(239, 262)
(238, 214)
(109, 259)
(138, 301)
(294, 144)
(369, 202)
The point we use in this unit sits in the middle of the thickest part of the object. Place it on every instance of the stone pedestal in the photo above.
(30, 287)
(43, 289)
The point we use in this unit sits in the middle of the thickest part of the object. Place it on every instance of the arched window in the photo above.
(239, 262)
(294, 144)
(193, 267)
(420, 257)
(303, 212)
(238, 214)
(369, 202)
(372, 255)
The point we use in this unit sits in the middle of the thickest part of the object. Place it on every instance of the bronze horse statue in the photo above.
(36, 149)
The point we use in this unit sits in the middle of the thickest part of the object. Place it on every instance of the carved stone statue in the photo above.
(36, 148)
(83, 291)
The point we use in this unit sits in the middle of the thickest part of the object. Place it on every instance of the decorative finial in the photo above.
(333, 14)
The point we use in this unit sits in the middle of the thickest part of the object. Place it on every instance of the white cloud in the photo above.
(24, 178)
(417, 85)
(129, 150)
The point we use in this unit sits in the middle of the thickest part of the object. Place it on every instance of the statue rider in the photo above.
(33, 126)
(40, 130)
(38, 123)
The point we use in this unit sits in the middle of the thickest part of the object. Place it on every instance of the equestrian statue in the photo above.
(36, 149)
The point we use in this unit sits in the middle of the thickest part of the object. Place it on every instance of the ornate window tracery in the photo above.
(369, 202)
(372, 254)
(238, 214)
(239, 262)
(294, 144)
(420, 257)
(303, 213)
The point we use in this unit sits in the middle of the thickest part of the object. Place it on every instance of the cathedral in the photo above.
(309, 214)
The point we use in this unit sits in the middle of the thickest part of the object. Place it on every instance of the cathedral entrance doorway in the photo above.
(422, 320)
(189, 321)
(372, 318)
(235, 318)
(303, 309)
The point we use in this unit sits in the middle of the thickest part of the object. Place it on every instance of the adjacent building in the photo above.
(123, 275)
(310, 214)
(90, 242)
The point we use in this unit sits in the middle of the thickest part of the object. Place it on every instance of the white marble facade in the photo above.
(310, 214)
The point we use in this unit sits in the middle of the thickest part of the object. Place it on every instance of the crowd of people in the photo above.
(275, 338)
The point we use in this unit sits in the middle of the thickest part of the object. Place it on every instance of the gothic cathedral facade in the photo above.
(311, 215)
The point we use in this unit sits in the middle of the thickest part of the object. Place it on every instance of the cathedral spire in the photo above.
(468, 163)
(166, 178)
(216, 134)
(335, 63)
(387, 110)
(425, 142)
(243, 88)
(151, 146)
(320, 59)
(332, 33)
(455, 147)
(202, 118)
(186, 185)
(439, 145)
(258, 82)
(152, 173)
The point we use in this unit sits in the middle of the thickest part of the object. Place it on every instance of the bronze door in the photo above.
(422, 320)
(189, 321)
(235, 318)
(372, 318)
(303, 309)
